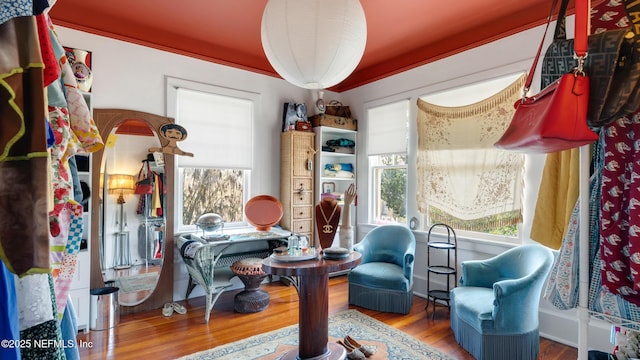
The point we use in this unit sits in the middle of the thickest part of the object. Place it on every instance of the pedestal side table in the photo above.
(313, 292)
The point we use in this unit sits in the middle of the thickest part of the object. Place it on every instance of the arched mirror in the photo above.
(131, 215)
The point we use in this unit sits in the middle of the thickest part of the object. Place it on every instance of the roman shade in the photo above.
(387, 126)
(220, 129)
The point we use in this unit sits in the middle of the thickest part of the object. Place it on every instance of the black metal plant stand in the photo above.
(448, 270)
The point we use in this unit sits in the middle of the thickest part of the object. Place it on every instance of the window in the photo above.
(389, 176)
(219, 124)
(466, 182)
(219, 191)
(387, 150)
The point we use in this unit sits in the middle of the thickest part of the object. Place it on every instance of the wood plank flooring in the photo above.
(154, 336)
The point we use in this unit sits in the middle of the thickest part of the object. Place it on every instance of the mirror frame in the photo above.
(106, 120)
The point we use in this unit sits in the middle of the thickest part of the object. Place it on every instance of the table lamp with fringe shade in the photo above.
(121, 184)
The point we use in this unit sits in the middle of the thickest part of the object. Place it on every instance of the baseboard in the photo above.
(562, 326)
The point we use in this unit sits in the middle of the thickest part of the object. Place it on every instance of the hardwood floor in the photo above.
(155, 336)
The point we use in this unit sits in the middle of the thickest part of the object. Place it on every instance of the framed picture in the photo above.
(291, 114)
(328, 187)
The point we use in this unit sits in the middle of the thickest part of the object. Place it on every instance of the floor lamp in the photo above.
(121, 184)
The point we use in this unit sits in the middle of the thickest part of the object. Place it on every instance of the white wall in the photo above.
(133, 77)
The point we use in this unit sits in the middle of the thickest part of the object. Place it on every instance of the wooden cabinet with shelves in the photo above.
(335, 164)
(296, 182)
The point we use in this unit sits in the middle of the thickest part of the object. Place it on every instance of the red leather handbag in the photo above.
(556, 118)
(144, 183)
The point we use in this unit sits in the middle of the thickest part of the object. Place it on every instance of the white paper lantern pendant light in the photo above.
(314, 44)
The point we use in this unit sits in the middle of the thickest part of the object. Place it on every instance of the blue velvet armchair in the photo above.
(494, 311)
(384, 279)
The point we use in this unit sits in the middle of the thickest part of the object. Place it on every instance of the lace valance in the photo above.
(460, 172)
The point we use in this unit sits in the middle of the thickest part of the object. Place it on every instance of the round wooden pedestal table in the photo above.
(251, 299)
(313, 292)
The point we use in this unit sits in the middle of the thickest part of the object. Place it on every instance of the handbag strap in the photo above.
(140, 174)
(581, 32)
(149, 172)
(561, 23)
(529, 80)
(580, 42)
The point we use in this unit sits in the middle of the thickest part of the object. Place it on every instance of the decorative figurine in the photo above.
(172, 133)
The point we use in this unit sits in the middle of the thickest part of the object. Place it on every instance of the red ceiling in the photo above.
(401, 34)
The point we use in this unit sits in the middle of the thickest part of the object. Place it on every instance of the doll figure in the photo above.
(172, 133)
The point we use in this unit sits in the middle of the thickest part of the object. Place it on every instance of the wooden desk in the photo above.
(313, 291)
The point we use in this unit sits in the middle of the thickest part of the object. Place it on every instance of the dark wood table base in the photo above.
(335, 351)
(313, 313)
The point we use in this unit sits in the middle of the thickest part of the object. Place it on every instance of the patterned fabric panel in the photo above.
(620, 209)
(64, 271)
(44, 334)
(24, 239)
(15, 8)
(51, 67)
(35, 302)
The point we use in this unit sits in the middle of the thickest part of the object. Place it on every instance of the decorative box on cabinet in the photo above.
(444, 268)
(296, 181)
(338, 180)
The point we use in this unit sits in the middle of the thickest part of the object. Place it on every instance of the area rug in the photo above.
(139, 282)
(390, 343)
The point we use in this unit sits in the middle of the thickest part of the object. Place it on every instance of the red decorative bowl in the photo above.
(263, 211)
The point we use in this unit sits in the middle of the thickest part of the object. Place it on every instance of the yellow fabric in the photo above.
(559, 190)
(155, 198)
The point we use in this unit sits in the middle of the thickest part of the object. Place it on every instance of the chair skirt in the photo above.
(384, 300)
(494, 346)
